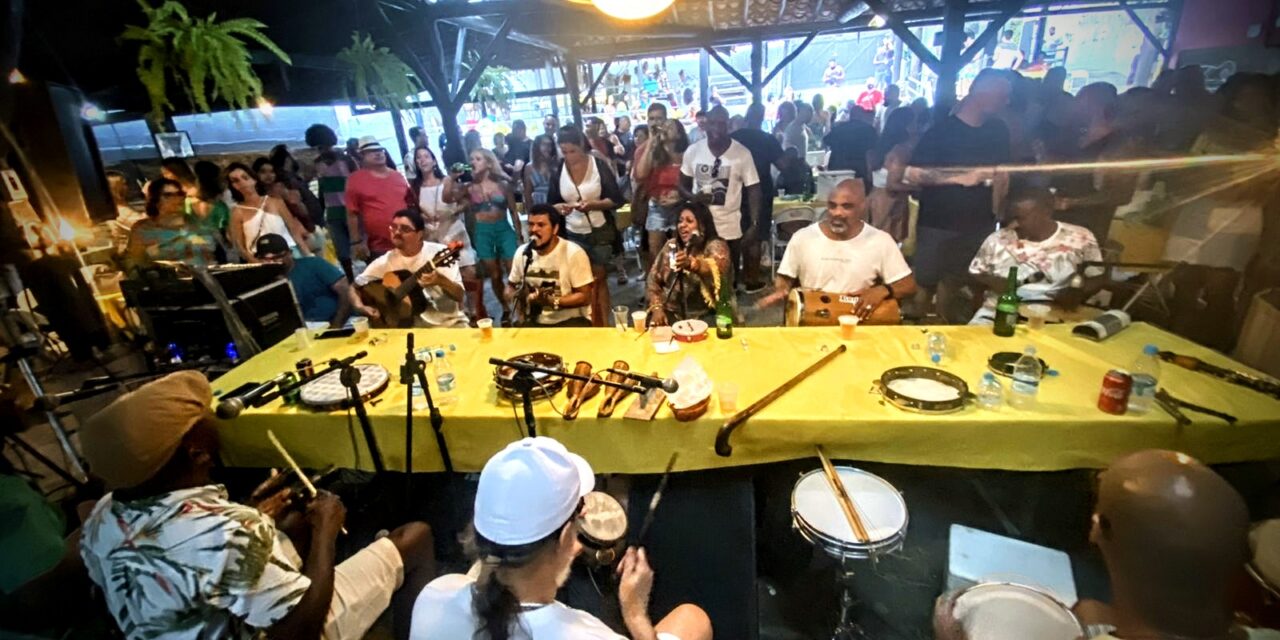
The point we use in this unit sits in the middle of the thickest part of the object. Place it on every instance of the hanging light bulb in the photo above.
(632, 9)
(877, 22)
(265, 106)
(16, 77)
(92, 112)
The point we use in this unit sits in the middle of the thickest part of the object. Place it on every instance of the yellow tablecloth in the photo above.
(833, 407)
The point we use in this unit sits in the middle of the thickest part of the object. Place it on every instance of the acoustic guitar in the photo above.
(398, 297)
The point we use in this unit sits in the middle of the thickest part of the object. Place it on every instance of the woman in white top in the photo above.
(585, 191)
(256, 215)
(444, 221)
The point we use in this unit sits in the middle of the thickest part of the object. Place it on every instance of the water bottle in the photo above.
(990, 392)
(1146, 374)
(1026, 380)
(937, 347)
(416, 395)
(446, 389)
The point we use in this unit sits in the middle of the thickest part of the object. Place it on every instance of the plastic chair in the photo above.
(785, 224)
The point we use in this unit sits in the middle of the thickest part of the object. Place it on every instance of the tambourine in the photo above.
(547, 385)
(690, 330)
(327, 393)
(923, 389)
(1002, 363)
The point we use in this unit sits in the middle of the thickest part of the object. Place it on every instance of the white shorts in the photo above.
(362, 589)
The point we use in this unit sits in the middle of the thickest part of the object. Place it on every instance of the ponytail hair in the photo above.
(496, 607)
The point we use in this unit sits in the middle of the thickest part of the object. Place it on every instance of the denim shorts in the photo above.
(494, 240)
(660, 218)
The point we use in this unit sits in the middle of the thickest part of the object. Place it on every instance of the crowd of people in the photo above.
(1018, 174)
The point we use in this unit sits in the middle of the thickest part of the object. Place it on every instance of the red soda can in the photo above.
(1116, 385)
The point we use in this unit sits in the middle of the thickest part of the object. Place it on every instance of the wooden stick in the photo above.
(842, 496)
(723, 448)
(653, 502)
(284, 453)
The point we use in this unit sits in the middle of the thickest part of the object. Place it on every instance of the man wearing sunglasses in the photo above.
(410, 252)
(719, 171)
(320, 287)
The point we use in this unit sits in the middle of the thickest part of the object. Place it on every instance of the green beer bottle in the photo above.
(724, 313)
(1007, 307)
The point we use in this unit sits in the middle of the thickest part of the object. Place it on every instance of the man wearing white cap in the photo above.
(374, 194)
(177, 559)
(528, 507)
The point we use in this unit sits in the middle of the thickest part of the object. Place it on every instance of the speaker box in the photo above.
(269, 312)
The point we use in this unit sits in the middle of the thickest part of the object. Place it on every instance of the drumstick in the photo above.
(722, 438)
(842, 496)
(302, 477)
(657, 497)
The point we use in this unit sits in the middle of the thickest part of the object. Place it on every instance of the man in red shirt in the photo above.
(374, 194)
(871, 97)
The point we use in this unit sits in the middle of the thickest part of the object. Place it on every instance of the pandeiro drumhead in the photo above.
(1006, 611)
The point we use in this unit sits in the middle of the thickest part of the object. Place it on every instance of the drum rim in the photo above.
(542, 391)
(897, 537)
(1026, 587)
(907, 403)
(601, 542)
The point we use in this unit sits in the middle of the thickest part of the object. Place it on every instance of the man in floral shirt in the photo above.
(1047, 254)
(176, 558)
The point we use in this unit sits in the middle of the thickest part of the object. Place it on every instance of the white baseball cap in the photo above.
(529, 490)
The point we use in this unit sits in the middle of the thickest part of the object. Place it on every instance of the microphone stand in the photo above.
(412, 369)
(350, 378)
(524, 382)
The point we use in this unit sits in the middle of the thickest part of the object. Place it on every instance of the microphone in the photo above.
(349, 360)
(229, 408)
(668, 385)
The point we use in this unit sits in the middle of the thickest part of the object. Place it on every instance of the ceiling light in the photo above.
(632, 9)
(92, 112)
(265, 106)
(877, 21)
(16, 77)
(856, 9)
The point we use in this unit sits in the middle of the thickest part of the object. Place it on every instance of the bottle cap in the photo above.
(439, 353)
(1150, 350)
(937, 357)
(988, 376)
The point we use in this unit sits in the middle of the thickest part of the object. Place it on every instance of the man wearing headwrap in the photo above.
(177, 559)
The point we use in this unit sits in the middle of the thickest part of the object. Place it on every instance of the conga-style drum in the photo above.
(810, 308)
(602, 528)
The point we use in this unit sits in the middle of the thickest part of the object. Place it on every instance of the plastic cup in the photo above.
(620, 314)
(728, 392)
(1037, 315)
(847, 326)
(361, 325)
(485, 325)
(303, 338)
(638, 319)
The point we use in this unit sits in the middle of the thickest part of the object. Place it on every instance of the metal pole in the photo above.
(757, 69)
(575, 90)
(704, 80)
(51, 415)
(952, 48)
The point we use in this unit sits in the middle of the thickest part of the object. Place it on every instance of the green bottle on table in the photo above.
(1007, 307)
(724, 313)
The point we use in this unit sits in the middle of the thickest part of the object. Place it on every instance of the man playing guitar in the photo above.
(844, 255)
(442, 286)
(550, 281)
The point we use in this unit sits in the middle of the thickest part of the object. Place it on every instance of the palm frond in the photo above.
(376, 75)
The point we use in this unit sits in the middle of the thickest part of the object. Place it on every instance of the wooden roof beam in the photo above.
(1146, 31)
(787, 60)
(487, 27)
(904, 33)
(1010, 9)
(483, 62)
(728, 67)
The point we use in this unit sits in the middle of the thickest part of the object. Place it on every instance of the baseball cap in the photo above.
(370, 143)
(127, 442)
(270, 244)
(529, 490)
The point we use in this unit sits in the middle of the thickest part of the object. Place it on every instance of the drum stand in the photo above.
(412, 369)
(847, 628)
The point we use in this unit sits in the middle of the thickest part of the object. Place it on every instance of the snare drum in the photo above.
(327, 392)
(1007, 611)
(816, 514)
(809, 308)
(602, 528)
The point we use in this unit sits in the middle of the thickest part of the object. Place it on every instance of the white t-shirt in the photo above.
(444, 311)
(567, 265)
(443, 610)
(590, 188)
(736, 170)
(842, 266)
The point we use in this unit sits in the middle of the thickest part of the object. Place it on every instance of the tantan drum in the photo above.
(327, 392)
(602, 528)
(816, 514)
(1006, 611)
(808, 308)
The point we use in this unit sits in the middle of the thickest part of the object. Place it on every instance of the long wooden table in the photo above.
(834, 407)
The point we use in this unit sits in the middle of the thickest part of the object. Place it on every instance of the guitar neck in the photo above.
(409, 284)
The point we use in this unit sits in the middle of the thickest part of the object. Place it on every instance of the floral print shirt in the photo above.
(191, 564)
(1043, 267)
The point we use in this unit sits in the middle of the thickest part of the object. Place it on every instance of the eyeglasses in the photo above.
(402, 228)
(715, 168)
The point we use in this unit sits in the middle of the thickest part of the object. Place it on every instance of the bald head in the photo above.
(846, 209)
(1173, 534)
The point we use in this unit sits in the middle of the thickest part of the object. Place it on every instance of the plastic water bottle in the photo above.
(990, 392)
(1026, 380)
(446, 387)
(1146, 374)
(937, 347)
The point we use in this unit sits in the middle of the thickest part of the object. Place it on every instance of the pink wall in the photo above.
(1223, 23)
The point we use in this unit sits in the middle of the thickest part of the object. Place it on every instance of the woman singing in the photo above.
(699, 256)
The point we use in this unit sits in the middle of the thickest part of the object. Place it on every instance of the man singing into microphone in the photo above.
(550, 281)
(691, 271)
(844, 255)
